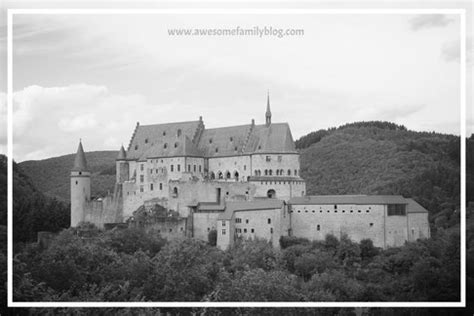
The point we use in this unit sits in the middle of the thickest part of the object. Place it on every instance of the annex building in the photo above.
(185, 180)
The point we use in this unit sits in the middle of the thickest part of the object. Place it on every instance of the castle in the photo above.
(183, 180)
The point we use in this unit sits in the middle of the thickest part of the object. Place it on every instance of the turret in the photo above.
(80, 187)
(268, 113)
(122, 168)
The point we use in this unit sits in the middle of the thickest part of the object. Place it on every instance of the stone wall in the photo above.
(203, 223)
(418, 226)
(283, 162)
(239, 164)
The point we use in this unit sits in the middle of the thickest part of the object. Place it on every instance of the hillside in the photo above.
(365, 159)
(51, 176)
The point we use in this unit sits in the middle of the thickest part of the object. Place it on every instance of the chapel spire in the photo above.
(268, 113)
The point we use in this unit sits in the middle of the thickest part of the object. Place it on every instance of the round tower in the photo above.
(80, 187)
(121, 164)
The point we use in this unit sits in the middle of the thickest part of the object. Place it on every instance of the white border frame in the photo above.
(460, 12)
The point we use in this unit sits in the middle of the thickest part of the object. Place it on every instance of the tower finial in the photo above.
(80, 163)
(268, 113)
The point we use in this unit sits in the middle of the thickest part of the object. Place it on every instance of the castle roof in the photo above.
(192, 139)
(80, 163)
(263, 204)
(349, 199)
(122, 155)
(163, 140)
(414, 207)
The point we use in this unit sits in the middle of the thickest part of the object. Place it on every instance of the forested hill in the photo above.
(383, 158)
(51, 176)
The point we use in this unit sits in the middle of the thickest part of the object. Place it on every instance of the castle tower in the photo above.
(122, 169)
(80, 187)
(268, 114)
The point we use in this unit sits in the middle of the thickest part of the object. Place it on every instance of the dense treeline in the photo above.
(106, 266)
(314, 137)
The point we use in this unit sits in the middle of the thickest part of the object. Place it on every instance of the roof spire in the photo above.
(122, 154)
(80, 163)
(268, 114)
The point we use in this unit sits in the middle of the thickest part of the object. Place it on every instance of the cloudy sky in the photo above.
(94, 76)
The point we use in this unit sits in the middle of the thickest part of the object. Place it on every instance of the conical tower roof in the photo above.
(80, 163)
(122, 154)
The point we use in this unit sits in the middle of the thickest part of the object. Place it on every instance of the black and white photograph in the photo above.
(274, 159)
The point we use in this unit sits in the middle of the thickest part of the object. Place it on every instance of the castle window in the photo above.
(172, 168)
(314, 211)
(161, 186)
(175, 145)
(217, 150)
(208, 229)
(223, 223)
(245, 230)
(220, 175)
(231, 138)
(175, 192)
(146, 140)
(278, 172)
(269, 221)
(151, 186)
(141, 188)
(164, 133)
(142, 178)
(371, 224)
(227, 175)
(256, 172)
(213, 176)
(142, 167)
(279, 158)
(179, 167)
(271, 230)
(259, 147)
(171, 230)
(179, 132)
(194, 168)
(359, 211)
(246, 221)
(238, 220)
(76, 182)
(352, 211)
(136, 147)
(235, 148)
(165, 145)
(223, 232)
(266, 172)
(367, 211)
(181, 228)
(236, 176)
(80, 172)
(200, 168)
(245, 167)
(318, 228)
(335, 206)
(289, 172)
(210, 140)
(252, 230)
(271, 194)
(268, 158)
(296, 172)
(189, 168)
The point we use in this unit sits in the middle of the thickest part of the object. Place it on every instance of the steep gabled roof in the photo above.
(349, 199)
(159, 140)
(122, 155)
(80, 163)
(275, 138)
(228, 141)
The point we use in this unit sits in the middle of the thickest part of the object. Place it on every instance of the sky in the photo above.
(94, 76)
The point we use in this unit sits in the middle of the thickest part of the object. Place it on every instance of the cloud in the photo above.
(393, 113)
(451, 51)
(424, 21)
(47, 119)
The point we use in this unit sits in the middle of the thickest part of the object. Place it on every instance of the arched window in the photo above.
(175, 192)
(289, 172)
(270, 172)
(219, 175)
(236, 176)
(165, 145)
(296, 172)
(271, 194)
(179, 132)
(266, 172)
(256, 173)
(227, 175)
(213, 176)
